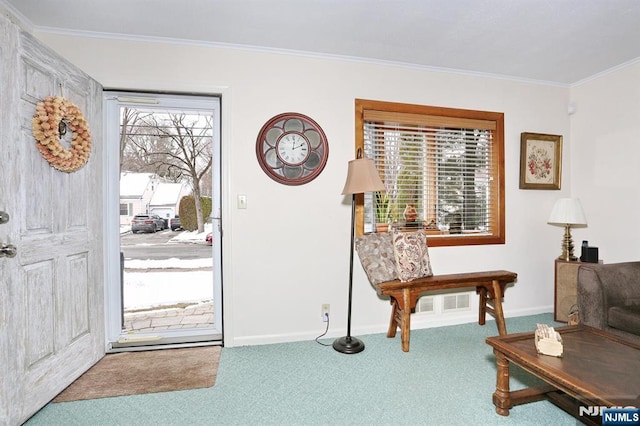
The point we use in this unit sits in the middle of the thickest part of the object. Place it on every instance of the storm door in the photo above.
(164, 285)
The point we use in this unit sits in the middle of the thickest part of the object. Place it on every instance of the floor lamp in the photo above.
(362, 177)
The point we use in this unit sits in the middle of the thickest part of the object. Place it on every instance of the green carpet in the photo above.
(447, 378)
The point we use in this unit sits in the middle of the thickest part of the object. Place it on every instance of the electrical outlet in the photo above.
(324, 311)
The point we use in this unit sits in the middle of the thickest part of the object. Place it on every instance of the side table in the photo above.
(566, 289)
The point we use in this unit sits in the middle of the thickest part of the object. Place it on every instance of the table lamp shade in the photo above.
(362, 176)
(567, 211)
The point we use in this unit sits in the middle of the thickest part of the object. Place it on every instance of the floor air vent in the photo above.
(425, 304)
(455, 302)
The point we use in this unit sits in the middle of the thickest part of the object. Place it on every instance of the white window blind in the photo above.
(447, 168)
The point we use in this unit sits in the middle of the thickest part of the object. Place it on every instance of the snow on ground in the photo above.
(173, 263)
(155, 287)
(192, 236)
(148, 289)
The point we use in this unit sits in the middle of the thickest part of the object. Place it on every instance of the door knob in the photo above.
(8, 250)
(4, 217)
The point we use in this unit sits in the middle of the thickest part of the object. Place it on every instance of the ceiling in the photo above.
(555, 41)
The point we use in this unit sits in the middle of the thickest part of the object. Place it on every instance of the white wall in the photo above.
(606, 162)
(287, 253)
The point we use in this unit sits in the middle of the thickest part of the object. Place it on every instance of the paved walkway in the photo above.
(193, 316)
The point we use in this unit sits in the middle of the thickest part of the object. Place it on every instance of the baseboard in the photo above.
(418, 321)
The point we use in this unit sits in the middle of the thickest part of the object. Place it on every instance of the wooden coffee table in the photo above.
(596, 369)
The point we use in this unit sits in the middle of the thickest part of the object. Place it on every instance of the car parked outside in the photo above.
(209, 238)
(174, 223)
(147, 223)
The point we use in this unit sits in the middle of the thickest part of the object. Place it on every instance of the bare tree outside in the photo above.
(128, 131)
(176, 146)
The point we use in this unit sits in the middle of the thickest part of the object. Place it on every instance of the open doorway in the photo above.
(164, 184)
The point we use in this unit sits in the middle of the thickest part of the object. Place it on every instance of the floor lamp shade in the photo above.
(362, 176)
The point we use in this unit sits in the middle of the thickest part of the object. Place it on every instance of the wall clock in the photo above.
(292, 148)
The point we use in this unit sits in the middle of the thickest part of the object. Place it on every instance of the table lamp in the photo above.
(567, 212)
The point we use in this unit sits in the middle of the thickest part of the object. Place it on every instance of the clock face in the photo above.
(292, 149)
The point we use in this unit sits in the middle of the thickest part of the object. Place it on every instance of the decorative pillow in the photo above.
(412, 255)
(376, 256)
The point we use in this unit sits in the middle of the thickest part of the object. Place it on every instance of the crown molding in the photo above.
(288, 52)
(605, 72)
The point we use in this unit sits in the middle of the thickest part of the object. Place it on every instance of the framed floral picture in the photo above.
(540, 161)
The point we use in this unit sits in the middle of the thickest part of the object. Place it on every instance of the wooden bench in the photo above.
(404, 296)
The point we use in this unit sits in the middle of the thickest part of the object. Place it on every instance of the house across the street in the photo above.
(146, 193)
(165, 201)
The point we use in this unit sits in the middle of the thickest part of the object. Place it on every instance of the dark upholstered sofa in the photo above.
(609, 298)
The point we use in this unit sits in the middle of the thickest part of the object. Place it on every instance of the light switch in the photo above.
(242, 201)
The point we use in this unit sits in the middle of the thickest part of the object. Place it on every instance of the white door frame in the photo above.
(113, 296)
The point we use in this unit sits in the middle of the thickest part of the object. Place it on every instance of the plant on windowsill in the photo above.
(383, 209)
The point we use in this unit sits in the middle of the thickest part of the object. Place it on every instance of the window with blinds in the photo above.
(442, 167)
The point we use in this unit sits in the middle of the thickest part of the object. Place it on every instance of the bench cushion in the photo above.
(376, 255)
(412, 255)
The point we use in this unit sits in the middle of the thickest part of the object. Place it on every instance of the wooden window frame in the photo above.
(457, 117)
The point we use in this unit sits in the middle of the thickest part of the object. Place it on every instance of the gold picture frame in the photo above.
(540, 161)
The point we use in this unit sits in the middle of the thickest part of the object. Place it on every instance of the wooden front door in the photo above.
(51, 291)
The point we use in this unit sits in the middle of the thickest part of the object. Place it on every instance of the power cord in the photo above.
(325, 332)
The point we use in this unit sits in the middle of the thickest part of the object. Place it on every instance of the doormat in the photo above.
(132, 373)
